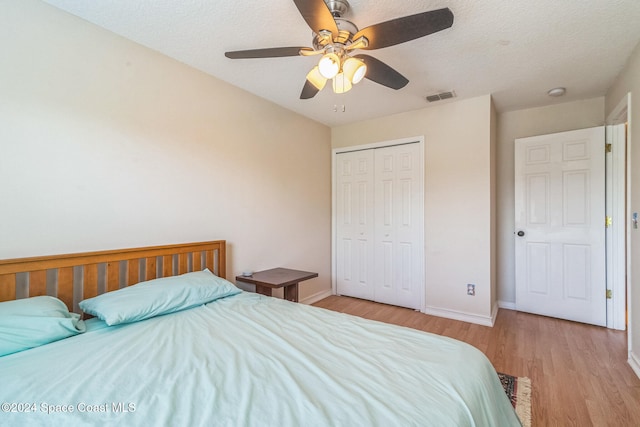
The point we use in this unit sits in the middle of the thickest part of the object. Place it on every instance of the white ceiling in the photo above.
(514, 50)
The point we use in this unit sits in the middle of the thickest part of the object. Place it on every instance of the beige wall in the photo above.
(107, 144)
(629, 81)
(458, 197)
(520, 124)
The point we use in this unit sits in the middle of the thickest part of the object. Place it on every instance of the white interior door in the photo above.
(560, 225)
(355, 224)
(399, 235)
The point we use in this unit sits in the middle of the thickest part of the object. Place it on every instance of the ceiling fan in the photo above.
(335, 38)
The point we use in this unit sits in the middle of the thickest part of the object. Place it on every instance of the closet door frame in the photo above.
(417, 139)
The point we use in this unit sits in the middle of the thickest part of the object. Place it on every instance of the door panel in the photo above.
(398, 236)
(576, 198)
(538, 268)
(354, 222)
(560, 256)
(576, 271)
(538, 199)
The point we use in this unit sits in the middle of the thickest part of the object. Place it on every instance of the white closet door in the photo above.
(399, 228)
(354, 222)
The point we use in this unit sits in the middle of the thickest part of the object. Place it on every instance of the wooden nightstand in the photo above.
(267, 280)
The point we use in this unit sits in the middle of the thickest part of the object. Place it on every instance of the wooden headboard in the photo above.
(74, 277)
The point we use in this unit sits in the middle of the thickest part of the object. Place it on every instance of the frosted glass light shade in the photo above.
(341, 84)
(354, 69)
(329, 65)
(315, 78)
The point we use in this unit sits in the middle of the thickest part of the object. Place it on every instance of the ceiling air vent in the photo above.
(441, 96)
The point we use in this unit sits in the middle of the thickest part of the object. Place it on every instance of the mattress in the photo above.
(251, 360)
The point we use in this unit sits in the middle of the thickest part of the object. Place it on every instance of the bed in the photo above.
(241, 359)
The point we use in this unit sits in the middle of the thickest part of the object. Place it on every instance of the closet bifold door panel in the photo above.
(398, 228)
(354, 223)
(380, 231)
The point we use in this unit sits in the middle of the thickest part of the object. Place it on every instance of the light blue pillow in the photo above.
(157, 297)
(31, 322)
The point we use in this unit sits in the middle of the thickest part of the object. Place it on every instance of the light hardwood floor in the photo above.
(578, 372)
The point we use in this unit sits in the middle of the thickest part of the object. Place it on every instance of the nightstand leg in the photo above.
(291, 293)
(263, 290)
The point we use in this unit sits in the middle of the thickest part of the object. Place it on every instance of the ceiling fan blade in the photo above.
(407, 28)
(317, 15)
(309, 90)
(272, 52)
(381, 73)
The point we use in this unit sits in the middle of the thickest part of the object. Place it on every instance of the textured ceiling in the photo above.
(514, 50)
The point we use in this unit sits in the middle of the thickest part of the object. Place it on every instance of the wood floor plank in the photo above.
(579, 373)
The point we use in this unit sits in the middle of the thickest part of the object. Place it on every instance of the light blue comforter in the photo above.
(249, 360)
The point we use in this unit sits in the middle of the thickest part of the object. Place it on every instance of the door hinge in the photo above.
(607, 221)
(607, 148)
(609, 293)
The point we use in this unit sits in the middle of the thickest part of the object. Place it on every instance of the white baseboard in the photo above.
(507, 305)
(465, 317)
(634, 361)
(494, 314)
(316, 297)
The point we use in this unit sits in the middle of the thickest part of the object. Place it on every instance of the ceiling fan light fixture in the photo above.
(329, 65)
(315, 78)
(341, 83)
(335, 37)
(354, 69)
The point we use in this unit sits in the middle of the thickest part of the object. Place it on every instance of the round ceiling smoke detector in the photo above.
(556, 91)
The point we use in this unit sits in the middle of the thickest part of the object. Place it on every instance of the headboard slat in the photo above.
(222, 261)
(38, 283)
(65, 285)
(133, 269)
(196, 259)
(7, 287)
(182, 263)
(150, 268)
(209, 260)
(90, 281)
(167, 266)
(113, 276)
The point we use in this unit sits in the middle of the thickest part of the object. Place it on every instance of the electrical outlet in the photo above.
(471, 289)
